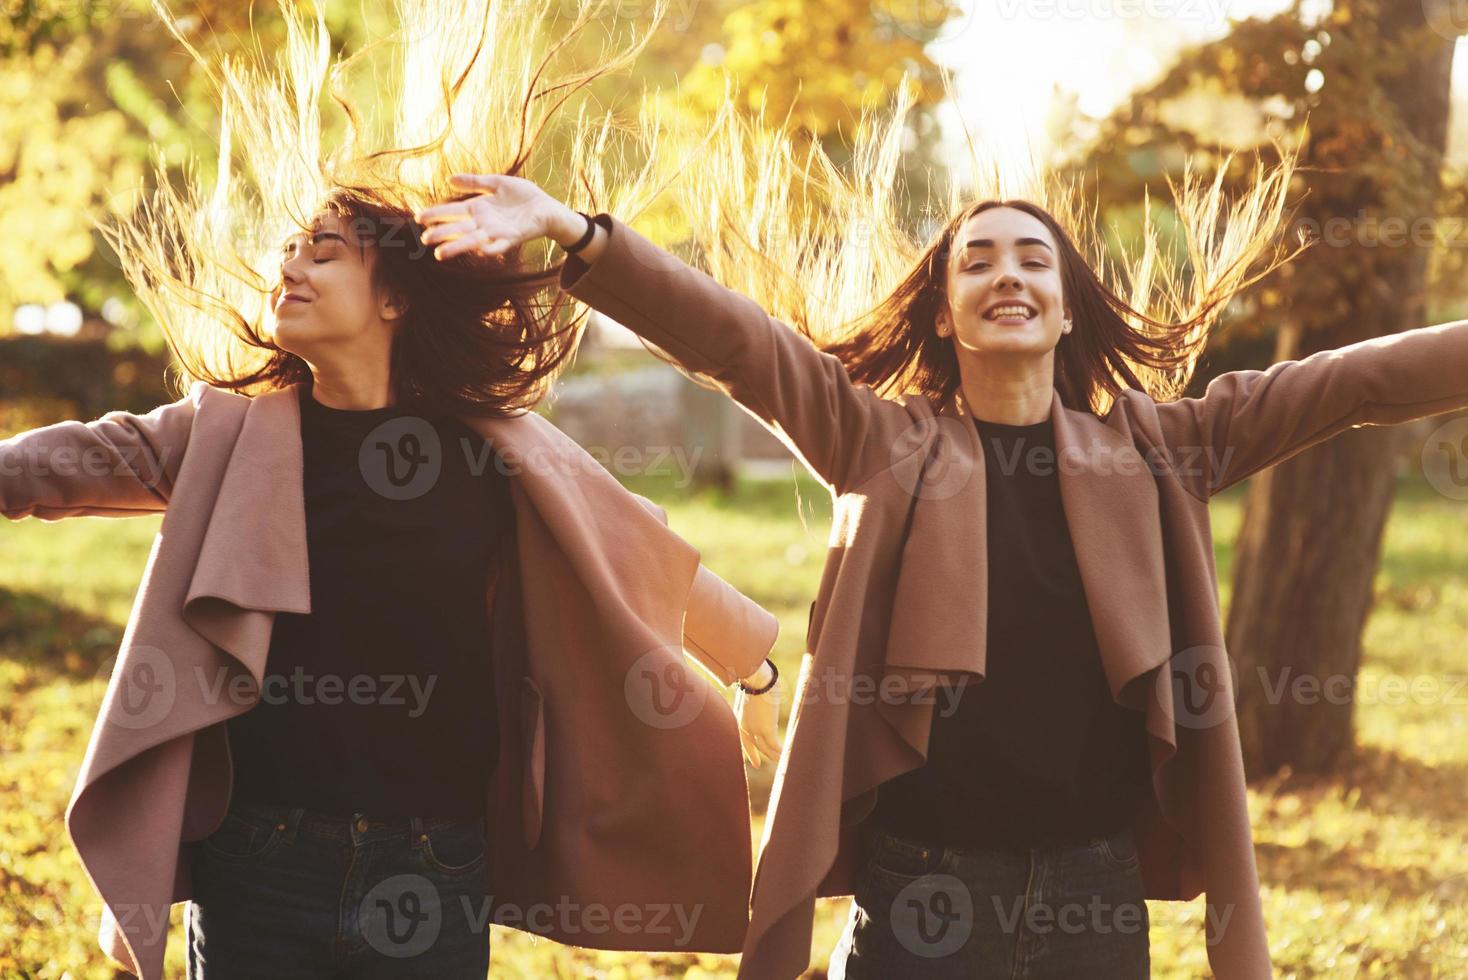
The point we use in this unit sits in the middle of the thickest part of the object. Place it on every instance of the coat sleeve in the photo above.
(799, 392)
(1246, 421)
(724, 630)
(121, 465)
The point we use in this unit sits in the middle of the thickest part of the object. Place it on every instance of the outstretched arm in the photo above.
(1248, 420)
(840, 429)
(120, 465)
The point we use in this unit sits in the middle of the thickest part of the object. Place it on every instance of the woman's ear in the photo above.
(391, 307)
(943, 321)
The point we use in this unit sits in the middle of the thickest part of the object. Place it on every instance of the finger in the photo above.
(751, 752)
(773, 745)
(765, 744)
(443, 232)
(500, 247)
(462, 244)
(447, 211)
(478, 182)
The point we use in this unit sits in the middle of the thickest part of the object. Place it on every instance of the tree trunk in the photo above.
(1311, 541)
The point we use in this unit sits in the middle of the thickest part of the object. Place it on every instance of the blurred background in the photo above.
(1350, 561)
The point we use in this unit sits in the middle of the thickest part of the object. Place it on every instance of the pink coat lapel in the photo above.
(156, 771)
(1111, 510)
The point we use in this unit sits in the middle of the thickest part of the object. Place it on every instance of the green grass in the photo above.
(1365, 874)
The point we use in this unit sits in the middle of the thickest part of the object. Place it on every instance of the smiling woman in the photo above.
(355, 490)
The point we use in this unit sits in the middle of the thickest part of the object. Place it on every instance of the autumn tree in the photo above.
(1374, 78)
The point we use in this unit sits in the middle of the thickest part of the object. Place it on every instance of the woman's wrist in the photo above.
(761, 680)
(565, 226)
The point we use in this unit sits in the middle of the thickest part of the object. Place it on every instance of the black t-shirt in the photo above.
(381, 699)
(1037, 753)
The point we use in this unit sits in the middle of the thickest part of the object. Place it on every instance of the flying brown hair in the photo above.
(825, 250)
(472, 86)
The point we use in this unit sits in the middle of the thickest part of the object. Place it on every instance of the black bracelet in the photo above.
(766, 688)
(585, 239)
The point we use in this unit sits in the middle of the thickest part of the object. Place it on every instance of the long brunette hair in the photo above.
(825, 249)
(474, 86)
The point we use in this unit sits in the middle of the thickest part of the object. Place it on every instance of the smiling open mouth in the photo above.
(1011, 311)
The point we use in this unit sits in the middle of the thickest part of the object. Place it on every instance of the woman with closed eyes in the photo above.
(398, 665)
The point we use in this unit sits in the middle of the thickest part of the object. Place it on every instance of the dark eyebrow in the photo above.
(317, 237)
(989, 243)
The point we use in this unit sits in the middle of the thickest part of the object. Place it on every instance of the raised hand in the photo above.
(506, 212)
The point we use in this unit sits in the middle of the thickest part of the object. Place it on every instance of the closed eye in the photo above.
(1032, 262)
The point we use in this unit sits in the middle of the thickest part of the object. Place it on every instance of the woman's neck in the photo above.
(1007, 391)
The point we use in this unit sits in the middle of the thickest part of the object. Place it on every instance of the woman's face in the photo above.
(326, 300)
(1003, 258)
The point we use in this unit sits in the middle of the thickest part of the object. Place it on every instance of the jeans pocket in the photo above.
(1119, 850)
(900, 859)
(243, 837)
(453, 847)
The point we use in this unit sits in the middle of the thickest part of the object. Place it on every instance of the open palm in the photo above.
(507, 211)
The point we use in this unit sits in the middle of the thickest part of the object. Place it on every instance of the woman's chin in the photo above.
(1018, 339)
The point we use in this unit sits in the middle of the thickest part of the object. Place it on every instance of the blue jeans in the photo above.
(290, 894)
(925, 911)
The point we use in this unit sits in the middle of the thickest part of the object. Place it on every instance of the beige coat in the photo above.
(902, 598)
(597, 798)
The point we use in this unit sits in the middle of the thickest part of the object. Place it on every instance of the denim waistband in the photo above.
(355, 826)
(1055, 849)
